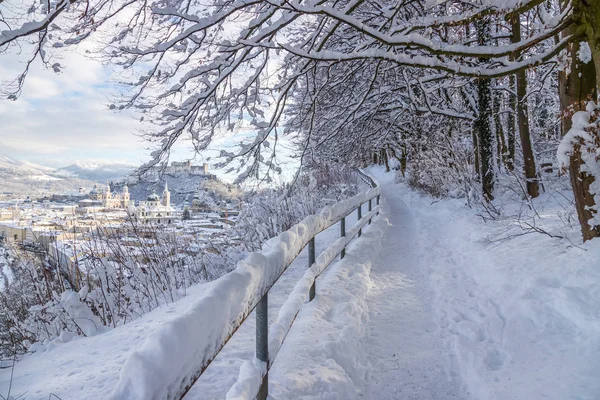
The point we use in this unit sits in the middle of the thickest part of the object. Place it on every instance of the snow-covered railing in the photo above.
(173, 357)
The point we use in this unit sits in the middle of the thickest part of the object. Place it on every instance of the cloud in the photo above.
(65, 116)
(61, 118)
(39, 88)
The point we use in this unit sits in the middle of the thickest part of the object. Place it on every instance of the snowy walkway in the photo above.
(404, 345)
(456, 316)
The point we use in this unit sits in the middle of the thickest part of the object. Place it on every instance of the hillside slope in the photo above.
(96, 171)
(22, 178)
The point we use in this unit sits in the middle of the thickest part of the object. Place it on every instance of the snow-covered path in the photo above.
(454, 315)
(404, 344)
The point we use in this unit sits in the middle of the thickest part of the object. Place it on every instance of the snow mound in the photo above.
(323, 355)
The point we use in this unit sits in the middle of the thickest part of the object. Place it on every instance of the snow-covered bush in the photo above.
(31, 310)
(269, 212)
(117, 280)
(130, 276)
(441, 162)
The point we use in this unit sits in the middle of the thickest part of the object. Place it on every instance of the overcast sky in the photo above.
(60, 118)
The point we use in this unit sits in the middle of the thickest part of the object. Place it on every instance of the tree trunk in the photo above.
(523, 119)
(403, 159)
(386, 161)
(575, 89)
(592, 14)
(500, 141)
(483, 123)
(510, 159)
(476, 153)
(485, 140)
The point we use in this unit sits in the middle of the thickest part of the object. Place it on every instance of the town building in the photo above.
(156, 209)
(106, 199)
(13, 213)
(15, 232)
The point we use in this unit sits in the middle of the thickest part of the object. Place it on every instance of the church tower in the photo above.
(106, 197)
(125, 196)
(166, 196)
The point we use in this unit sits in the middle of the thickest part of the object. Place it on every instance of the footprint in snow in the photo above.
(494, 359)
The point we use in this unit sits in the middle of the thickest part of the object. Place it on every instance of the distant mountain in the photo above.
(97, 171)
(22, 178)
(8, 164)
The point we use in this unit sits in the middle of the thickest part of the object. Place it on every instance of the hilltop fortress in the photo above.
(188, 167)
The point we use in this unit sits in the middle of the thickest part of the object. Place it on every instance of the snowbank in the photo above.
(252, 373)
(322, 356)
(521, 317)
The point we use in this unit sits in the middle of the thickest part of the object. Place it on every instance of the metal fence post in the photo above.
(262, 342)
(359, 217)
(311, 261)
(370, 209)
(342, 234)
(378, 203)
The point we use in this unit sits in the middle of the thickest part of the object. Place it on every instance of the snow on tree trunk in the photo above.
(581, 147)
(501, 150)
(511, 125)
(577, 86)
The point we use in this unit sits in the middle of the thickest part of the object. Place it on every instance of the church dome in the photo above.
(153, 197)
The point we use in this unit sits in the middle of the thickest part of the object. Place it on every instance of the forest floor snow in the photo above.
(444, 312)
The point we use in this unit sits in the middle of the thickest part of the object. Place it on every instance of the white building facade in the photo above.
(156, 210)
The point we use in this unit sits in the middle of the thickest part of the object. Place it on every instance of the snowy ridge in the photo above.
(25, 178)
(100, 171)
(171, 358)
